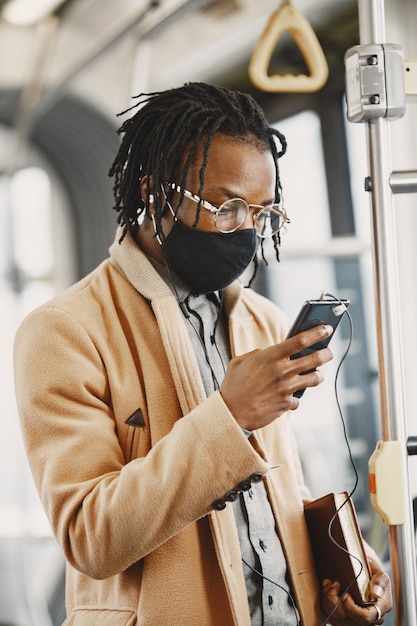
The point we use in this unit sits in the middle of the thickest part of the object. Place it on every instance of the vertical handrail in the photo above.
(401, 537)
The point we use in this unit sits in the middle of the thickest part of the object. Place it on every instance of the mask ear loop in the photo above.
(156, 229)
(152, 215)
(181, 304)
(174, 215)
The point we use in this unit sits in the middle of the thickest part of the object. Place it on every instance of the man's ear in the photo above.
(144, 191)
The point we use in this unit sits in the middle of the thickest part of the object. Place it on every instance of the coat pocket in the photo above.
(102, 617)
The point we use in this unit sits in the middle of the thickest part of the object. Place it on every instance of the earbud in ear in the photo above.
(151, 198)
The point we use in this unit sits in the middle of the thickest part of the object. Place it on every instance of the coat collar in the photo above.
(141, 274)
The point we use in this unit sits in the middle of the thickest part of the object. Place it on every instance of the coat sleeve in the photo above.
(106, 513)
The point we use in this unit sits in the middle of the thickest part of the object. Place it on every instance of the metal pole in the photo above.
(401, 537)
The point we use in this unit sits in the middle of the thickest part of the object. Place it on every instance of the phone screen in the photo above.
(314, 313)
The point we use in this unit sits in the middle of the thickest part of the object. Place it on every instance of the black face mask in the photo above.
(209, 261)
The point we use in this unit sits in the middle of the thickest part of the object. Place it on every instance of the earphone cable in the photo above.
(201, 340)
(352, 462)
(273, 582)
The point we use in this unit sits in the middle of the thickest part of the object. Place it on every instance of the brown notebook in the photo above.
(346, 564)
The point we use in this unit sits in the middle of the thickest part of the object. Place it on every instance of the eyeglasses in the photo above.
(228, 217)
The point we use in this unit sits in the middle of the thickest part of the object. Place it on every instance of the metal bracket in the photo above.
(375, 82)
(412, 445)
(410, 77)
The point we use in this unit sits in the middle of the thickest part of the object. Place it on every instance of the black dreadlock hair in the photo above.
(161, 140)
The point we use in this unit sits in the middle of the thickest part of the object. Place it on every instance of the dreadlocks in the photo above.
(161, 140)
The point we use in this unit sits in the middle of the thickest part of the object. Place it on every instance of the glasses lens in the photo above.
(231, 215)
(270, 220)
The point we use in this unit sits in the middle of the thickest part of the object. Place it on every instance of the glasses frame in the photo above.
(275, 207)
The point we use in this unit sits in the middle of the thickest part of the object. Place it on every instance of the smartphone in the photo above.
(314, 313)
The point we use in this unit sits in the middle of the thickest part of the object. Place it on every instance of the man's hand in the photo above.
(258, 387)
(348, 613)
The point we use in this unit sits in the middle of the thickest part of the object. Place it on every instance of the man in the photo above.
(154, 394)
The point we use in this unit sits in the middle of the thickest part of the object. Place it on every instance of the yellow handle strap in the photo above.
(288, 19)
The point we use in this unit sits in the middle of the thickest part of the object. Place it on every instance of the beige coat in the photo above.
(131, 504)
